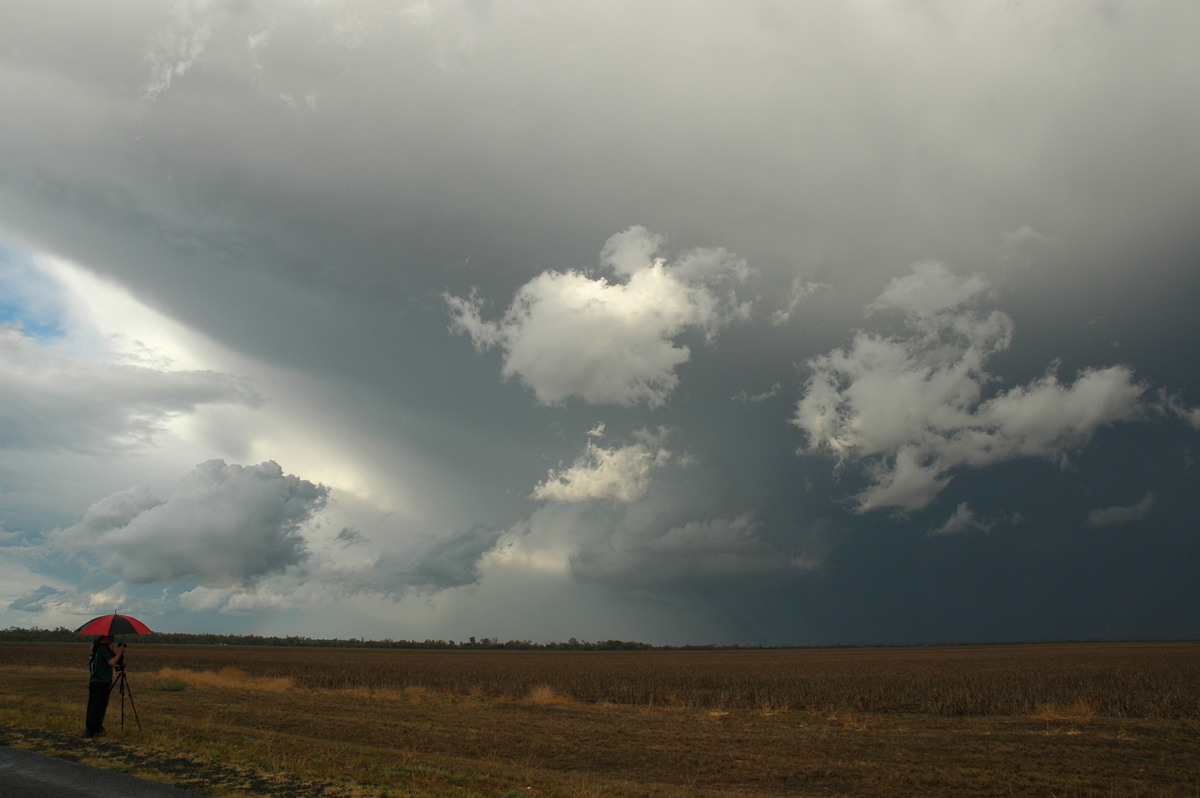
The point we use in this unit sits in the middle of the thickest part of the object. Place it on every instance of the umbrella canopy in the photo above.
(114, 625)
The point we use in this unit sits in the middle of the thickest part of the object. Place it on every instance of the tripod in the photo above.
(122, 684)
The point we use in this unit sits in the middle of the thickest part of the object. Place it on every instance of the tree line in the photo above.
(62, 634)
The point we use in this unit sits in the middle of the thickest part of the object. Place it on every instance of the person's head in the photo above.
(104, 640)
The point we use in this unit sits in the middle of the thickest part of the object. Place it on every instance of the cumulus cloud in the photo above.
(439, 564)
(40, 599)
(52, 399)
(621, 474)
(1118, 515)
(224, 525)
(203, 599)
(1019, 246)
(666, 540)
(930, 290)
(65, 604)
(770, 393)
(1174, 405)
(610, 342)
(801, 289)
(275, 592)
(911, 407)
(963, 520)
(256, 601)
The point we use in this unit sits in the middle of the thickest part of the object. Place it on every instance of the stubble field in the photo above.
(1066, 720)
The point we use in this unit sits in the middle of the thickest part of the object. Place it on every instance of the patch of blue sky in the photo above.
(29, 300)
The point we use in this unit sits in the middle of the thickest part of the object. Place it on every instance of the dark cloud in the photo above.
(350, 537)
(1121, 514)
(710, 551)
(37, 600)
(437, 564)
(223, 525)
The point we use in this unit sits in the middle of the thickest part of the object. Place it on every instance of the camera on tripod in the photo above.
(121, 684)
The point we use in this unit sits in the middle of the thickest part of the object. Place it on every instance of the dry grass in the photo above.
(227, 678)
(418, 694)
(543, 695)
(1078, 711)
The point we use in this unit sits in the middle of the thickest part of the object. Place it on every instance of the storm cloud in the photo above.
(683, 321)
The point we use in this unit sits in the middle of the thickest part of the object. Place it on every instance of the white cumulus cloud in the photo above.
(610, 342)
(911, 407)
(620, 473)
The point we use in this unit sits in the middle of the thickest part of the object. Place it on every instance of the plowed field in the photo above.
(1034, 720)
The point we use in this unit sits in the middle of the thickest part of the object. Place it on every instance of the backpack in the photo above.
(92, 662)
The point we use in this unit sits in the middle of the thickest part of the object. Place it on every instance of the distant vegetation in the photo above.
(16, 634)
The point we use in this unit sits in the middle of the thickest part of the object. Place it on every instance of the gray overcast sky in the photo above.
(684, 322)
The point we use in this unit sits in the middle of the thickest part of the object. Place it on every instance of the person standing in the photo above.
(100, 682)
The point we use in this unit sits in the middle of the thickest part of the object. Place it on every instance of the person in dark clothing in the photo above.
(100, 681)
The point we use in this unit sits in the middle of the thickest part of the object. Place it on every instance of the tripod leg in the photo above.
(125, 688)
(120, 685)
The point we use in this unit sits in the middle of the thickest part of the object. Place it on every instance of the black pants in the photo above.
(97, 705)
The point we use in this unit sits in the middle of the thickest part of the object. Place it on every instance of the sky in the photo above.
(680, 321)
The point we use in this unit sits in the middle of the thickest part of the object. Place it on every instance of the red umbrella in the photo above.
(114, 625)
